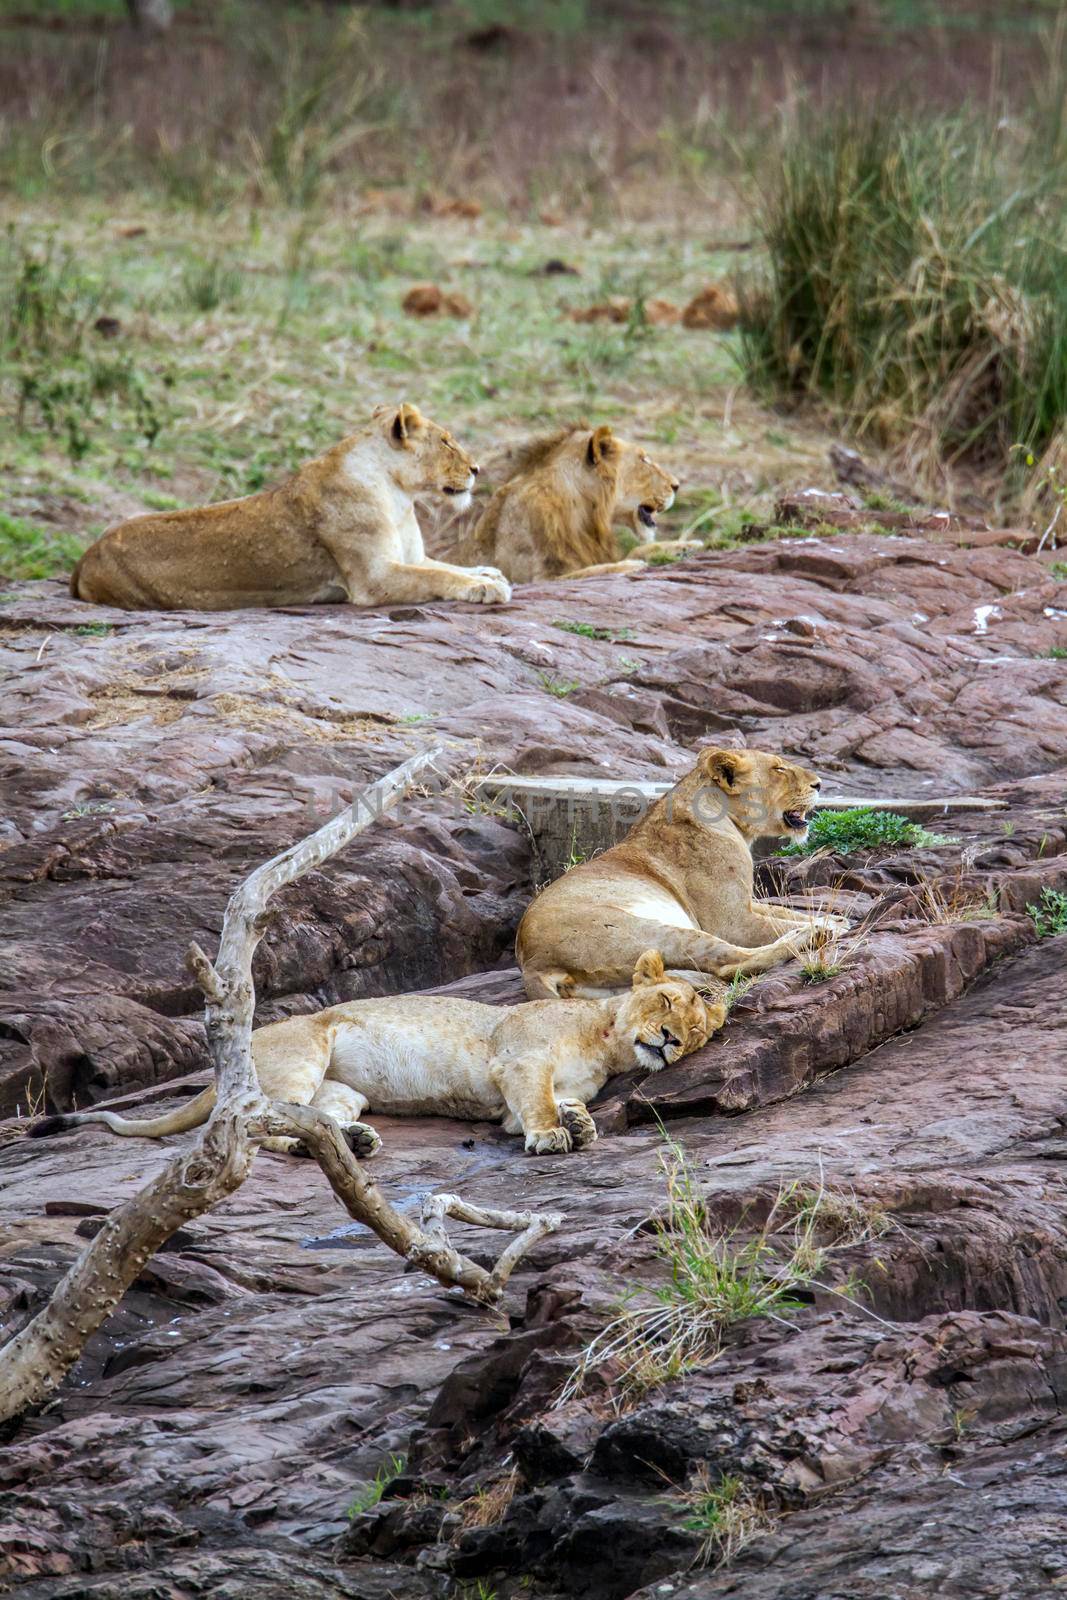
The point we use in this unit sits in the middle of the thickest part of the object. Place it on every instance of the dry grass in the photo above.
(487, 1506)
(944, 901)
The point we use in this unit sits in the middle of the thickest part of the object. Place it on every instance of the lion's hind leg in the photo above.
(345, 1106)
(292, 1059)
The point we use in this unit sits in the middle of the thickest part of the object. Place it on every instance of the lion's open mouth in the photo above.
(795, 821)
(647, 515)
(448, 489)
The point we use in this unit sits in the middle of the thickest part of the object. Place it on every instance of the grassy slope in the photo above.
(311, 335)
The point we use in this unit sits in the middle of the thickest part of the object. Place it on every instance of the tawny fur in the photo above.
(534, 1066)
(681, 881)
(555, 513)
(342, 528)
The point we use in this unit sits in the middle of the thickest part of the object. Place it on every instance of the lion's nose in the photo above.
(668, 1037)
(475, 468)
(675, 485)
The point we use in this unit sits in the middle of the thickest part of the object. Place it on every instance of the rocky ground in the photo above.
(905, 1441)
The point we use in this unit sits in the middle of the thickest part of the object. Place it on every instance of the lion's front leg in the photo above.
(786, 917)
(529, 1095)
(437, 580)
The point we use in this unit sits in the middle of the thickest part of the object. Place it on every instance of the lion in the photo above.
(553, 515)
(343, 527)
(534, 1065)
(681, 880)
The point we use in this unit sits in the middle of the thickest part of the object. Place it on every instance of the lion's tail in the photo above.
(191, 1115)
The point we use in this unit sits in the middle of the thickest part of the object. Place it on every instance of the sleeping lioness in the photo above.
(532, 1065)
(682, 879)
(343, 527)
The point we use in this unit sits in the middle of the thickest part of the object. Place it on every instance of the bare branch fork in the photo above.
(34, 1361)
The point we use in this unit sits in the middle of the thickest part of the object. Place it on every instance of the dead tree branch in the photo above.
(35, 1360)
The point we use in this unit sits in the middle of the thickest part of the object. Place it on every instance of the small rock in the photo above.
(714, 307)
(430, 300)
(662, 313)
(452, 206)
(616, 310)
(555, 267)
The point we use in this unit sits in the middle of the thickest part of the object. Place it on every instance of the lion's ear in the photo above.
(407, 420)
(601, 444)
(725, 767)
(649, 969)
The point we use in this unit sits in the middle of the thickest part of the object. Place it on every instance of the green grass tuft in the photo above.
(862, 829)
(1050, 913)
(817, 971)
(29, 552)
(587, 630)
(715, 1279)
(369, 1496)
(206, 285)
(551, 683)
(727, 1515)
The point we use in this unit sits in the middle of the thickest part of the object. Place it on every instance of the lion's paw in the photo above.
(284, 1146)
(489, 591)
(575, 1119)
(800, 940)
(548, 1142)
(294, 1147)
(362, 1140)
(716, 1015)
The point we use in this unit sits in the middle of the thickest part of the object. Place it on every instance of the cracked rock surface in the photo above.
(908, 1441)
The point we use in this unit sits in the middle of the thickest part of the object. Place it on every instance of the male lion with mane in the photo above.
(553, 516)
(343, 527)
(533, 1065)
(681, 880)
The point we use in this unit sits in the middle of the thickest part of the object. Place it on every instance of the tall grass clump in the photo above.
(324, 90)
(715, 1278)
(915, 280)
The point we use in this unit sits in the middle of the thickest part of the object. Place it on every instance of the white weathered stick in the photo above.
(36, 1359)
(530, 1226)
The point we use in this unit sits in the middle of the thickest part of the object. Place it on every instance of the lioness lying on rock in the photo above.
(682, 881)
(553, 516)
(533, 1065)
(343, 527)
